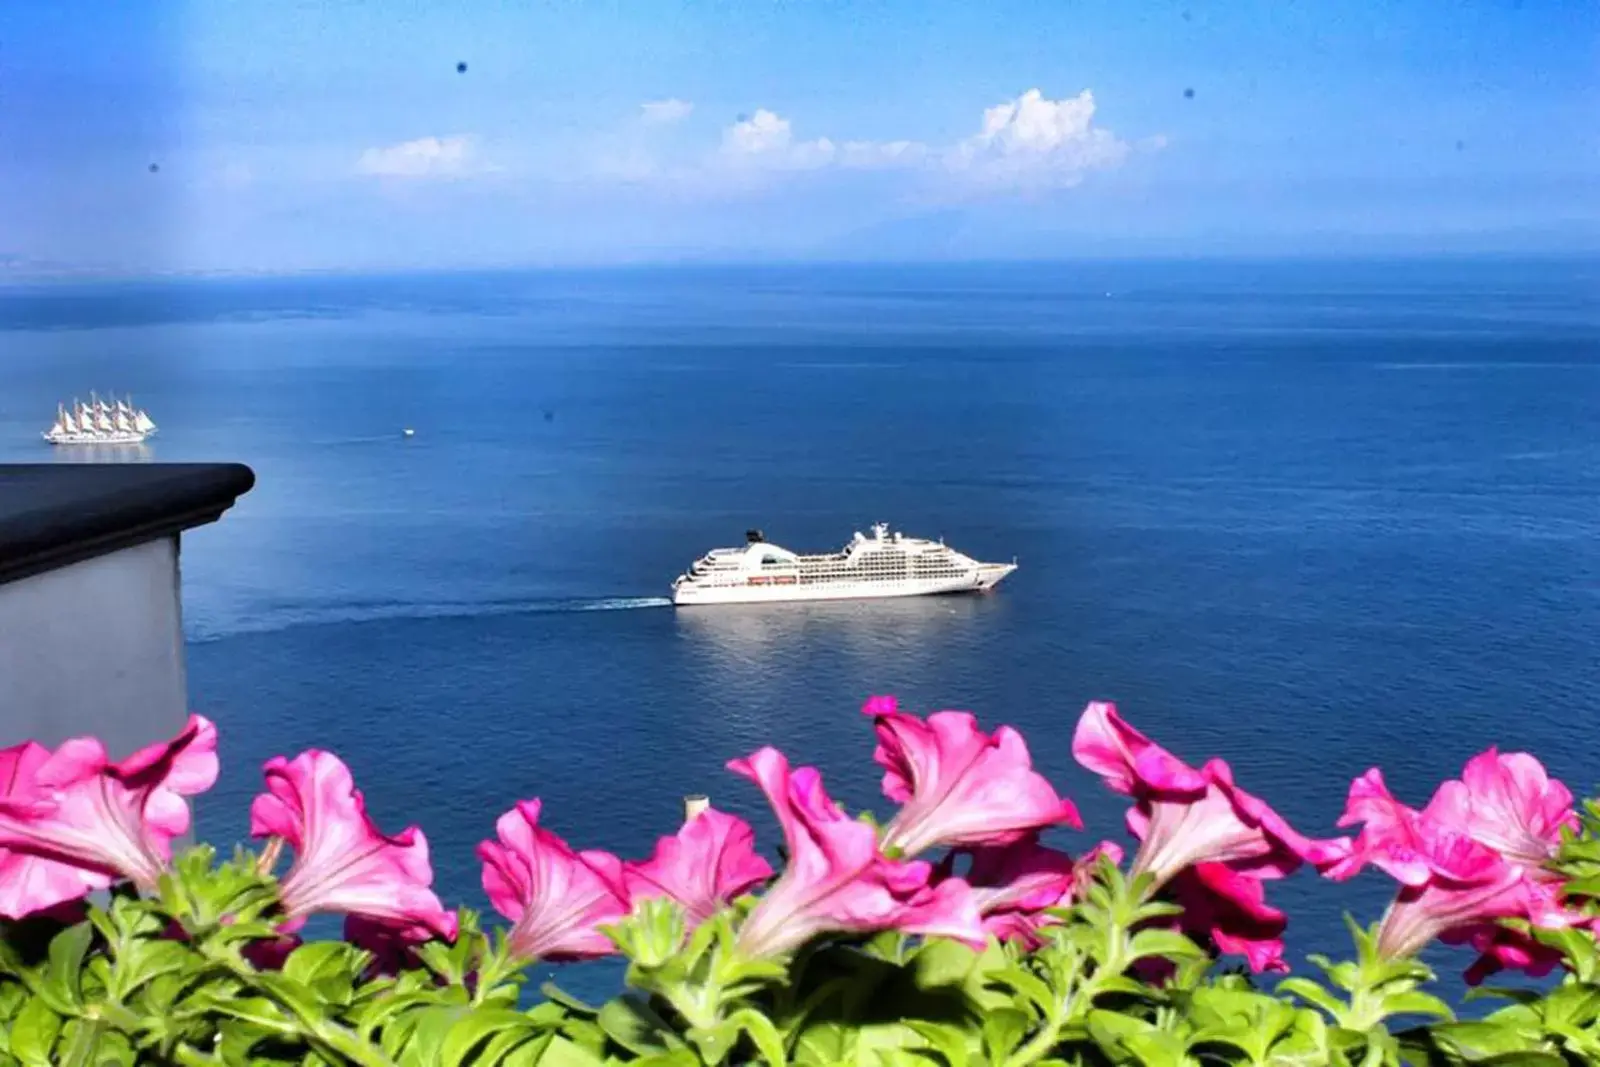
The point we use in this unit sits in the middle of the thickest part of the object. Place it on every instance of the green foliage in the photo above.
(169, 980)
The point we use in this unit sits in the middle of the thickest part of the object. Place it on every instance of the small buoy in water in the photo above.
(409, 432)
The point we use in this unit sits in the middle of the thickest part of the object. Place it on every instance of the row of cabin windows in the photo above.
(927, 569)
(877, 561)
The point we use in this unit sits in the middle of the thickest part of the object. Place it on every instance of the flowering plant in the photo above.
(951, 935)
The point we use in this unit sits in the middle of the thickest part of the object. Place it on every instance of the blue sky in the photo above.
(339, 135)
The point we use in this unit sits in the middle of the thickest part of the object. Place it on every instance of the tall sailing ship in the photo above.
(883, 565)
(98, 422)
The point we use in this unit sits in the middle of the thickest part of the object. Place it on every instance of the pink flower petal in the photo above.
(1422, 913)
(108, 820)
(1501, 948)
(556, 898)
(1474, 856)
(1231, 910)
(709, 862)
(1023, 876)
(1013, 885)
(1391, 838)
(1508, 803)
(1184, 816)
(343, 864)
(960, 786)
(1128, 760)
(1209, 841)
(28, 884)
(837, 878)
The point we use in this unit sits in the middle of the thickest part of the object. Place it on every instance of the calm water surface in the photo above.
(1309, 518)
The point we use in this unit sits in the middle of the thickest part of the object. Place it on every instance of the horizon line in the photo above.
(49, 275)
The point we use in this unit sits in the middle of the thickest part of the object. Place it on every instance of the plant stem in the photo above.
(83, 1044)
(1123, 909)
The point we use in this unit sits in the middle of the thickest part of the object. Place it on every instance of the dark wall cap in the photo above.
(53, 514)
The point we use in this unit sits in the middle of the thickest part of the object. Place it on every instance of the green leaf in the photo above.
(714, 1043)
(1416, 1002)
(1313, 994)
(636, 1027)
(1003, 1031)
(563, 1053)
(145, 962)
(942, 962)
(1169, 944)
(63, 979)
(380, 1012)
(506, 1046)
(426, 1043)
(567, 1000)
(762, 1034)
(678, 1058)
(239, 1040)
(318, 959)
(1030, 987)
(33, 1034)
(585, 1033)
(1479, 1040)
(79, 1039)
(476, 1029)
(949, 1041)
(1112, 1030)
(1157, 1049)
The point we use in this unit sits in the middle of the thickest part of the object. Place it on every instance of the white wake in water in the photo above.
(623, 603)
(199, 629)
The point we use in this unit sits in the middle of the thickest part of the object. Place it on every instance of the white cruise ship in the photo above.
(99, 423)
(885, 564)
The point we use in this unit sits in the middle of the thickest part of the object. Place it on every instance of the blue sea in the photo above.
(1311, 517)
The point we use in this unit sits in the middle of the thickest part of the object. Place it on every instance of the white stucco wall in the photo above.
(95, 648)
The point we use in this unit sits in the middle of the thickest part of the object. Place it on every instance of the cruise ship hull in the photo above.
(985, 577)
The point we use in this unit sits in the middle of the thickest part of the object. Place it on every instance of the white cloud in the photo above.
(766, 140)
(425, 157)
(665, 112)
(1036, 142)
(1030, 143)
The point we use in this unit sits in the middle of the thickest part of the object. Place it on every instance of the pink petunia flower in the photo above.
(709, 862)
(1508, 803)
(1500, 948)
(556, 899)
(1211, 840)
(73, 820)
(1473, 856)
(31, 885)
(837, 877)
(957, 785)
(1231, 910)
(1014, 885)
(343, 863)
